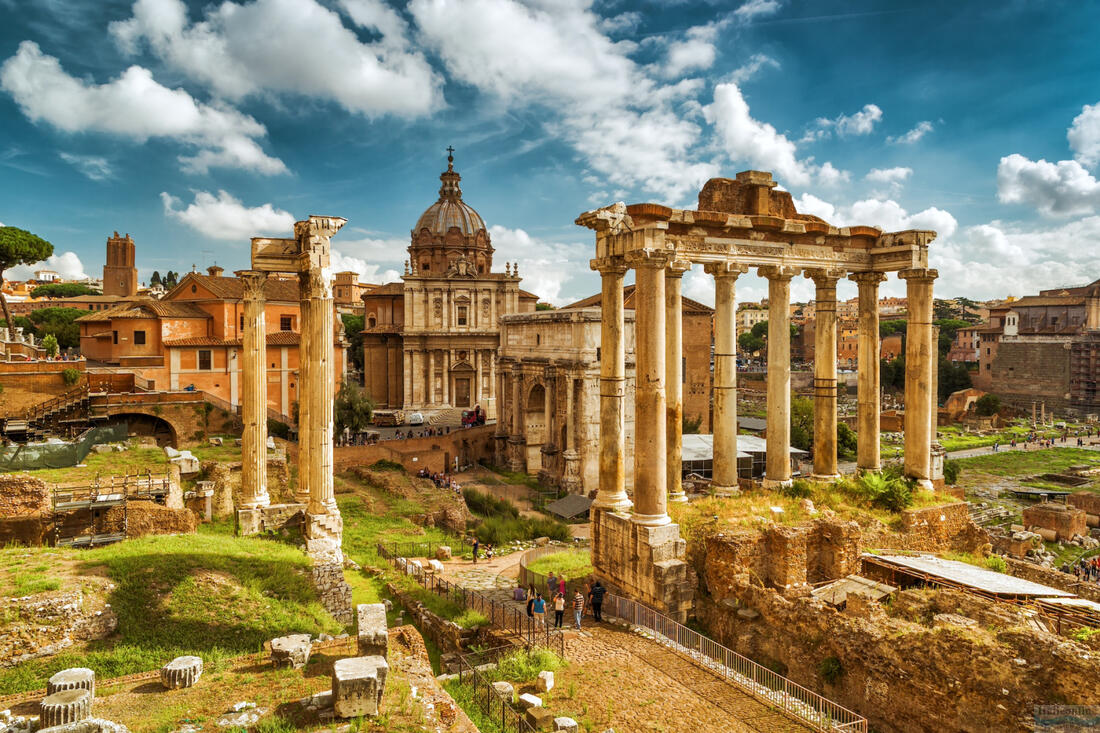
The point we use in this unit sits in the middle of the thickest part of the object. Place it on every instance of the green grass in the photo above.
(996, 563)
(516, 477)
(466, 698)
(212, 595)
(29, 582)
(1024, 463)
(132, 461)
(573, 563)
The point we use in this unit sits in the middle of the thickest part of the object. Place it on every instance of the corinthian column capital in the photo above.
(253, 283)
(777, 272)
(919, 274)
(867, 278)
(608, 265)
(648, 258)
(725, 269)
(314, 284)
(677, 267)
(824, 277)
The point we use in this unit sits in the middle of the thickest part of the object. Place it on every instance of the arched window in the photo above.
(371, 321)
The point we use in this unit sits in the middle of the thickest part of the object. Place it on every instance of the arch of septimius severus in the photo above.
(740, 224)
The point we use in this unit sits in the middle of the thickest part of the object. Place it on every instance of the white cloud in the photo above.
(290, 46)
(920, 130)
(368, 273)
(859, 123)
(695, 52)
(757, 8)
(550, 270)
(889, 175)
(66, 264)
(621, 23)
(136, 107)
(1084, 135)
(747, 140)
(95, 167)
(749, 69)
(828, 175)
(889, 215)
(1064, 188)
(807, 203)
(225, 217)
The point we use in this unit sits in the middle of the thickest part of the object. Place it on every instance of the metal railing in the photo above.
(489, 701)
(790, 698)
(502, 614)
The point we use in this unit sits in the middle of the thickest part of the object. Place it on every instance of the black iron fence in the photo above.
(493, 704)
(503, 614)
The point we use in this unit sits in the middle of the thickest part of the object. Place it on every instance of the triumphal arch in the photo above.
(740, 224)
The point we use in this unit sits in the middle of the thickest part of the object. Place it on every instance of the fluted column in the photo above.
(778, 459)
(919, 355)
(305, 379)
(724, 427)
(254, 403)
(825, 459)
(431, 378)
(318, 308)
(867, 390)
(612, 488)
(650, 441)
(674, 377)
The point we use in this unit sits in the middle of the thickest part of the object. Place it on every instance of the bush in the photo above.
(384, 465)
(49, 344)
(831, 670)
(996, 563)
(887, 489)
(71, 376)
(502, 530)
(487, 505)
(951, 471)
(987, 405)
(278, 428)
(797, 489)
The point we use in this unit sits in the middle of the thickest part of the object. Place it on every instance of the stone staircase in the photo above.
(448, 416)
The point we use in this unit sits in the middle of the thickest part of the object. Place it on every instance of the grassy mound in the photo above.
(574, 563)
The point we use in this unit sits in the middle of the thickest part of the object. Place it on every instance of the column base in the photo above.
(825, 476)
(869, 468)
(925, 484)
(775, 483)
(616, 503)
(650, 520)
(257, 503)
(725, 492)
(678, 497)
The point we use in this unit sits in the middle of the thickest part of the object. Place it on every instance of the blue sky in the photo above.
(195, 125)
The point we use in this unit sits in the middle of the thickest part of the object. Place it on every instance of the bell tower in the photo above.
(119, 274)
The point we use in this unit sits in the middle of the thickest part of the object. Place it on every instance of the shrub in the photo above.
(501, 530)
(385, 465)
(996, 563)
(797, 489)
(831, 670)
(987, 404)
(951, 471)
(487, 505)
(71, 376)
(278, 428)
(49, 343)
(888, 489)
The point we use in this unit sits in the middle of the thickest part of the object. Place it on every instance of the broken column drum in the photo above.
(740, 224)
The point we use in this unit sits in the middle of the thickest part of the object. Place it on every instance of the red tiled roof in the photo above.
(596, 301)
(276, 289)
(145, 308)
(274, 338)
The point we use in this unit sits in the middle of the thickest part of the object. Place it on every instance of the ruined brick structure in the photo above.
(1065, 520)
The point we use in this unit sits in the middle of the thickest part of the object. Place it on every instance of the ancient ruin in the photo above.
(739, 224)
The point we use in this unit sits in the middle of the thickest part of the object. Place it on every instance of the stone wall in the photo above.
(46, 623)
(1053, 578)
(22, 494)
(1086, 501)
(447, 635)
(140, 518)
(333, 590)
(932, 529)
(1067, 521)
(436, 453)
(1033, 371)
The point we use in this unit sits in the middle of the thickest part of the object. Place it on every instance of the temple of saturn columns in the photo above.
(306, 256)
(739, 224)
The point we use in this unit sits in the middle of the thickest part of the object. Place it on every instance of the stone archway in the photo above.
(534, 426)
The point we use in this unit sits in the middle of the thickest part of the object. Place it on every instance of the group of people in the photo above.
(1041, 442)
(425, 433)
(557, 594)
(1086, 569)
(477, 549)
(441, 481)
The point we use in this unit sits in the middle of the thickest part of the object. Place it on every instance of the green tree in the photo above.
(888, 328)
(802, 422)
(353, 408)
(171, 279)
(952, 378)
(353, 330)
(49, 343)
(60, 323)
(19, 247)
(62, 290)
(544, 307)
(154, 279)
(691, 425)
(987, 405)
(846, 442)
(749, 343)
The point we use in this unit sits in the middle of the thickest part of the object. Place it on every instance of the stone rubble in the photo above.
(357, 685)
(66, 706)
(291, 650)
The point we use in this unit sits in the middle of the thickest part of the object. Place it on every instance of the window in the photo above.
(114, 336)
(425, 265)
(139, 337)
(462, 315)
(371, 321)
(285, 323)
(204, 359)
(987, 366)
(194, 289)
(242, 321)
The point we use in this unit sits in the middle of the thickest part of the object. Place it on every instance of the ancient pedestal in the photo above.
(66, 706)
(292, 650)
(373, 635)
(75, 678)
(357, 685)
(181, 672)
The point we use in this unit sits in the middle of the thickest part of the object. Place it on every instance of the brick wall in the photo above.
(1066, 520)
(436, 453)
(1024, 372)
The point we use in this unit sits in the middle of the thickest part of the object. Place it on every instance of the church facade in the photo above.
(431, 342)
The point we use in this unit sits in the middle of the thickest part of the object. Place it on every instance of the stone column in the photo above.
(724, 425)
(612, 494)
(431, 378)
(254, 403)
(318, 390)
(305, 379)
(825, 460)
(517, 442)
(867, 390)
(446, 376)
(406, 360)
(674, 377)
(778, 459)
(650, 441)
(919, 355)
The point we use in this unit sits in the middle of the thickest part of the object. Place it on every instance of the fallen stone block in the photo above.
(443, 552)
(291, 650)
(241, 715)
(527, 700)
(435, 566)
(357, 685)
(374, 638)
(545, 681)
(181, 672)
(66, 706)
(414, 567)
(74, 678)
(505, 690)
(566, 725)
(90, 725)
(216, 441)
(539, 718)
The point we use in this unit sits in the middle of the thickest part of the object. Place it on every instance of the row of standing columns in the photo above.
(659, 393)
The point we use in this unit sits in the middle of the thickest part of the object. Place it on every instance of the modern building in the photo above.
(430, 342)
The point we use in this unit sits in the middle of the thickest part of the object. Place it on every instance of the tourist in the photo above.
(561, 584)
(531, 601)
(552, 584)
(539, 608)
(476, 546)
(488, 552)
(578, 608)
(595, 597)
(559, 609)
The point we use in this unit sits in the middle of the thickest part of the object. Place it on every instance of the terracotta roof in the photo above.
(689, 305)
(277, 289)
(146, 308)
(524, 294)
(274, 338)
(388, 289)
(1046, 300)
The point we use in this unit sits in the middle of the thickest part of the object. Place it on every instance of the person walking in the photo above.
(476, 545)
(595, 597)
(559, 609)
(539, 608)
(561, 584)
(531, 601)
(552, 585)
(578, 608)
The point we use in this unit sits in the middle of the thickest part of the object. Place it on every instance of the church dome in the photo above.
(450, 230)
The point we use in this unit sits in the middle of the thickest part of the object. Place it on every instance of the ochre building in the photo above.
(430, 342)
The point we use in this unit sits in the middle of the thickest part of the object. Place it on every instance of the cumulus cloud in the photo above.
(828, 175)
(889, 175)
(920, 130)
(859, 123)
(549, 269)
(1064, 188)
(807, 203)
(137, 107)
(757, 8)
(66, 264)
(1084, 135)
(368, 272)
(290, 46)
(224, 217)
(749, 69)
(621, 23)
(95, 167)
(695, 52)
(751, 141)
